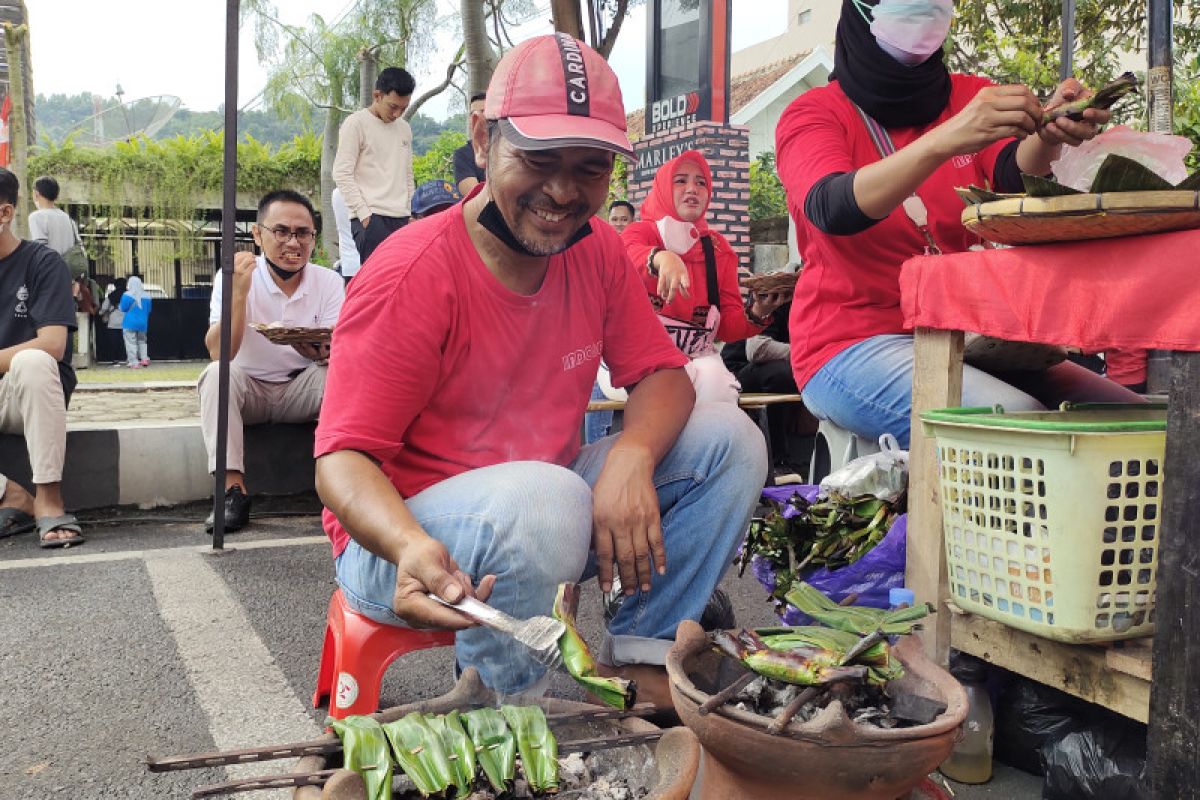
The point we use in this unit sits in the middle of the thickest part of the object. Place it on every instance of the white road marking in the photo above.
(67, 559)
(236, 681)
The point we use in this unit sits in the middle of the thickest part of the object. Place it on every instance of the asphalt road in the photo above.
(141, 642)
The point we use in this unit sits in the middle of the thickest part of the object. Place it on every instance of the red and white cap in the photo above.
(555, 91)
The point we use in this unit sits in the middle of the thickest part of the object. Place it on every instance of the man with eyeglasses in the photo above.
(373, 167)
(268, 382)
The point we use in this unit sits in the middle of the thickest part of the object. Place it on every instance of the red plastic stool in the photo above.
(357, 652)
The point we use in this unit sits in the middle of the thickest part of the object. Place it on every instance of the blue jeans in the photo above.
(530, 524)
(867, 388)
(596, 423)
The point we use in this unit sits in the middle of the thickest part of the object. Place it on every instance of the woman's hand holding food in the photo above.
(763, 304)
(995, 113)
(1066, 131)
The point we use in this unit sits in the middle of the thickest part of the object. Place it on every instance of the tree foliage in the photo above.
(1020, 41)
(767, 198)
(168, 180)
(438, 160)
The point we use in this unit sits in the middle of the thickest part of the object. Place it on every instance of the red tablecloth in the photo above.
(1132, 292)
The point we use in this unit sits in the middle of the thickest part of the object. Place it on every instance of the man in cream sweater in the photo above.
(373, 167)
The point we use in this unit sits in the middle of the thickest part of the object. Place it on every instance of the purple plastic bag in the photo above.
(871, 577)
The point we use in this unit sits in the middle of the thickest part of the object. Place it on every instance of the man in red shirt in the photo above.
(448, 448)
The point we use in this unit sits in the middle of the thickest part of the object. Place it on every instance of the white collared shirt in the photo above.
(316, 303)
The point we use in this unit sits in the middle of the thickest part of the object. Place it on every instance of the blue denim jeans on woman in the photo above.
(530, 524)
(867, 388)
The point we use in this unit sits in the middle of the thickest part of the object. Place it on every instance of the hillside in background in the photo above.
(57, 115)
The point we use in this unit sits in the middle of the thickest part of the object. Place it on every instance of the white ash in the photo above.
(866, 705)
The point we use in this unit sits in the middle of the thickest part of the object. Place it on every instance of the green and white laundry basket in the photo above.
(1051, 518)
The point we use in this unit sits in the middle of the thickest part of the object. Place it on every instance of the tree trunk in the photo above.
(333, 121)
(368, 71)
(481, 58)
(15, 41)
(567, 17)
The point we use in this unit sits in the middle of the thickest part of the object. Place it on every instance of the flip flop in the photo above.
(14, 521)
(66, 522)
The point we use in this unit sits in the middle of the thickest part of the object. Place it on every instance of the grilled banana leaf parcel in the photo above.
(420, 753)
(577, 658)
(495, 746)
(365, 750)
(536, 744)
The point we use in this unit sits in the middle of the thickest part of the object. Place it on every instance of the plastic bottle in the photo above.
(971, 759)
(899, 597)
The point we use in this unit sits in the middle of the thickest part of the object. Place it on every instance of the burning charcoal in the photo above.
(916, 709)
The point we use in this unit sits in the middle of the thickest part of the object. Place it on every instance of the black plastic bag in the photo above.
(1030, 714)
(1105, 761)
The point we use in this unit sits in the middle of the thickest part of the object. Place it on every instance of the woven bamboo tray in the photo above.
(771, 282)
(1032, 220)
(284, 335)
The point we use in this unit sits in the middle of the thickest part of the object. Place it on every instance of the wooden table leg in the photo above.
(937, 383)
(1174, 768)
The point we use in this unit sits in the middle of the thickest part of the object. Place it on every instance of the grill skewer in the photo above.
(319, 778)
(323, 746)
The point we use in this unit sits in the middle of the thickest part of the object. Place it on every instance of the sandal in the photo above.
(14, 521)
(66, 522)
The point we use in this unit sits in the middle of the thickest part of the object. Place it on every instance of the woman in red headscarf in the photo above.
(690, 272)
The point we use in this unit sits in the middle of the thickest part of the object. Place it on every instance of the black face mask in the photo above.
(493, 221)
(284, 275)
(892, 94)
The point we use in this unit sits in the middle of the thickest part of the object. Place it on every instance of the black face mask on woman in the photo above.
(894, 95)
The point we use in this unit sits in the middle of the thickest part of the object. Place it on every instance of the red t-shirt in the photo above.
(640, 237)
(437, 368)
(850, 288)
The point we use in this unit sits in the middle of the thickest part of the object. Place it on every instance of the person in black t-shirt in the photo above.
(37, 313)
(467, 173)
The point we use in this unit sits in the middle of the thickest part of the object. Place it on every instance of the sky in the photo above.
(177, 47)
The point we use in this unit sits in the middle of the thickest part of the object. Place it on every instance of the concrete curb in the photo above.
(165, 463)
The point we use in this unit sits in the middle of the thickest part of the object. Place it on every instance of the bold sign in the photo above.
(673, 112)
(687, 65)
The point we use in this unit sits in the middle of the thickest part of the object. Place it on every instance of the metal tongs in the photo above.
(540, 634)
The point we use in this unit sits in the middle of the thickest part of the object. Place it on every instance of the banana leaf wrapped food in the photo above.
(459, 749)
(801, 665)
(577, 658)
(495, 746)
(536, 744)
(365, 750)
(1104, 98)
(420, 753)
(881, 665)
(856, 619)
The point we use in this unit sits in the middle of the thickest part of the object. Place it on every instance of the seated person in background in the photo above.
(36, 378)
(866, 197)
(763, 363)
(691, 274)
(1127, 368)
(620, 214)
(468, 174)
(436, 485)
(268, 382)
(432, 197)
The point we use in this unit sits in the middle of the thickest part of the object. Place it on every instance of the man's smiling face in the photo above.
(546, 196)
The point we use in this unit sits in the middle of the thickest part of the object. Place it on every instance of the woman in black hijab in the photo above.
(870, 163)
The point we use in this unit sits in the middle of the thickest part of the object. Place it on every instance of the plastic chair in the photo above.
(833, 448)
(356, 653)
